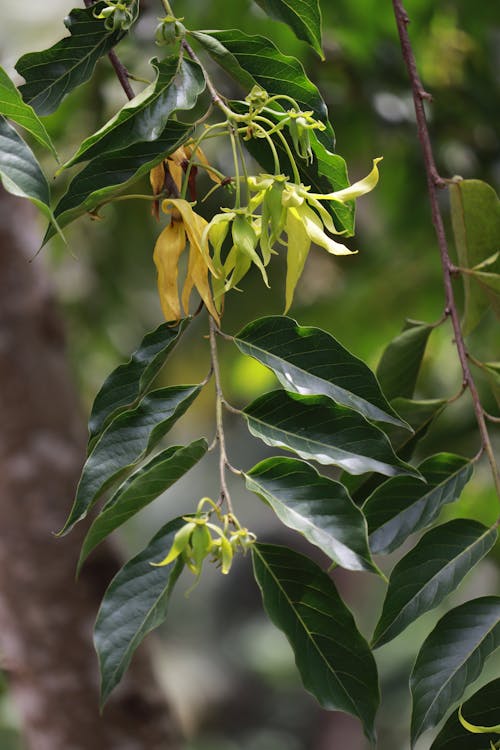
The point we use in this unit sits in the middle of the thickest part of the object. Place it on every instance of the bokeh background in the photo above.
(229, 673)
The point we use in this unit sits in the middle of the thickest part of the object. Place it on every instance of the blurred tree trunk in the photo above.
(46, 617)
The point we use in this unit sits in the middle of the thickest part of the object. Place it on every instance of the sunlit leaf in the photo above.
(145, 590)
(333, 659)
(317, 507)
(451, 658)
(429, 572)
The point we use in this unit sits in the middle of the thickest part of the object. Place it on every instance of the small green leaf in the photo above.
(317, 507)
(334, 660)
(140, 489)
(475, 215)
(482, 709)
(419, 415)
(134, 604)
(107, 177)
(316, 427)
(20, 172)
(398, 368)
(128, 439)
(129, 382)
(13, 107)
(310, 361)
(54, 72)
(429, 572)
(179, 82)
(303, 17)
(451, 658)
(401, 505)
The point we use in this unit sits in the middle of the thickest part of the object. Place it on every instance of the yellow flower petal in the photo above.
(314, 229)
(157, 178)
(299, 245)
(197, 276)
(168, 249)
(358, 188)
(200, 157)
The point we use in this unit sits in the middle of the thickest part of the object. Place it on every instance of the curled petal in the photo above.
(299, 245)
(314, 229)
(358, 188)
(168, 249)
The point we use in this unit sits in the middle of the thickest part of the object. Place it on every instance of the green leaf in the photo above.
(429, 572)
(398, 368)
(54, 72)
(309, 361)
(134, 604)
(127, 440)
(475, 215)
(451, 658)
(315, 506)
(20, 172)
(482, 709)
(316, 427)
(179, 82)
(419, 415)
(129, 382)
(105, 178)
(403, 505)
(140, 489)
(334, 660)
(492, 370)
(303, 17)
(13, 107)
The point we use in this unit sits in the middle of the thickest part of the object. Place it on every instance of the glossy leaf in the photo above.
(14, 108)
(129, 382)
(429, 572)
(140, 489)
(399, 365)
(179, 82)
(316, 428)
(20, 172)
(105, 178)
(317, 507)
(310, 361)
(128, 439)
(403, 505)
(419, 415)
(475, 214)
(482, 709)
(452, 657)
(333, 659)
(134, 604)
(54, 72)
(303, 17)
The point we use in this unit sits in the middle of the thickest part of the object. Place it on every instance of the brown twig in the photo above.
(119, 67)
(434, 181)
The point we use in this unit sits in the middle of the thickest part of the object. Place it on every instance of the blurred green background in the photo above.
(229, 673)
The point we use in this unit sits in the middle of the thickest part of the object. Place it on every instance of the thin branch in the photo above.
(433, 182)
(119, 67)
(219, 434)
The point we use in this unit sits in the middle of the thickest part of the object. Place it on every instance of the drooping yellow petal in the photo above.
(314, 229)
(175, 162)
(299, 245)
(199, 156)
(197, 276)
(477, 729)
(168, 249)
(358, 188)
(157, 178)
(194, 225)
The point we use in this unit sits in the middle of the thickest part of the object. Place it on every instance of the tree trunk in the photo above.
(46, 617)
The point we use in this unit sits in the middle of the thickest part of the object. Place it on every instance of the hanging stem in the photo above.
(433, 182)
(224, 464)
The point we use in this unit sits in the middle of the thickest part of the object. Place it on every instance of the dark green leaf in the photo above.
(127, 440)
(129, 382)
(20, 172)
(419, 415)
(317, 507)
(134, 604)
(482, 709)
(451, 658)
(402, 505)
(475, 214)
(316, 427)
(13, 107)
(333, 659)
(429, 572)
(303, 17)
(105, 178)
(310, 361)
(179, 82)
(140, 489)
(398, 368)
(54, 72)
